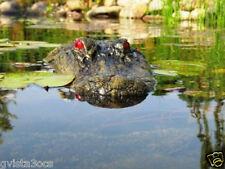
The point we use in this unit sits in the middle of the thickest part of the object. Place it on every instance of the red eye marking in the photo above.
(78, 97)
(78, 44)
(126, 45)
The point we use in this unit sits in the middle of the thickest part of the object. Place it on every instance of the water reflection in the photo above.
(211, 140)
(136, 31)
(102, 101)
(6, 97)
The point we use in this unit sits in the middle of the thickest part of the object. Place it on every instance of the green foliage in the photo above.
(168, 10)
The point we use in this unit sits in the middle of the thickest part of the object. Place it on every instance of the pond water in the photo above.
(175, 127)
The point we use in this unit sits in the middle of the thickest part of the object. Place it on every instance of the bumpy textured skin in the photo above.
(104, 68)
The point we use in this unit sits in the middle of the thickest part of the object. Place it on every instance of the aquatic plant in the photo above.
(44, 79)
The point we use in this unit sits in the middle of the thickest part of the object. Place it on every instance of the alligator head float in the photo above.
(107, 73)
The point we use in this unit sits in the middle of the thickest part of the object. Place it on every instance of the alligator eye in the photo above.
(126, 45)
(78, 44)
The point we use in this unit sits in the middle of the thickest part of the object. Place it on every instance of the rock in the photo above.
(134, 10)
(61, 11)
(110, 2)
(38, 8)
(110, 11)
(197, 13)
(74, 15)
(184, 15)
(188, 5)
(124, 3)
(155, 5)
(9, 8)
(75, 4)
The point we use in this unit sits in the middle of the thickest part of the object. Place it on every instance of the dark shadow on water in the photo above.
(103, 101)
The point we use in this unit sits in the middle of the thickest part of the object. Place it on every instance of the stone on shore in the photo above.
(110, 3)
(183, 15)
(38, 8)
(188, 5)
(133, 9)
(155, 5)
(61, 11)
(77, 16)
(75, 5)
(10, 8)
(98, 11)
(124, 3)
(197, 13)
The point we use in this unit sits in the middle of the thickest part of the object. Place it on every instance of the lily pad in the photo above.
(24, 46)
(164, 72)
(4, 40)
(186, 68)
(6, 45)
(49, 45)
(22, 80)
(34, 44)
(3, 49)
(219, 71)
